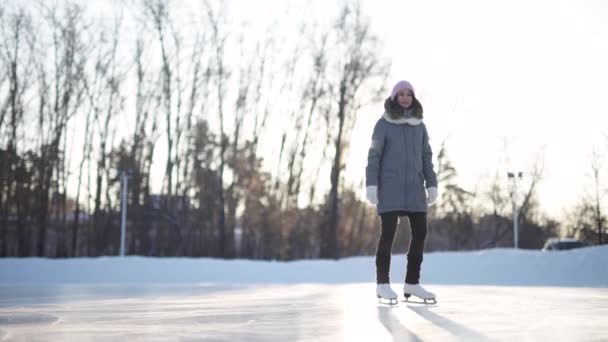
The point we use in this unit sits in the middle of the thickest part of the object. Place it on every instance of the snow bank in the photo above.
(580, 267)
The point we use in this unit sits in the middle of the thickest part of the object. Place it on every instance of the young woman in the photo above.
(399, 167)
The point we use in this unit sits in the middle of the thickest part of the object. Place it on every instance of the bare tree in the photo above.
(288, 146)
(145, 135)
(315, 91)
(197, 96)
(86, 154)
(496, 221)
(159, 13)
(587, 219)
(64, 91)
(261, 109)
(528, 206)
(599, 216)
(218, 44)
(12, 50)
(356, 68)
(16, 35)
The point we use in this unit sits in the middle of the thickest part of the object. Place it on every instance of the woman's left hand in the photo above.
(432, 195)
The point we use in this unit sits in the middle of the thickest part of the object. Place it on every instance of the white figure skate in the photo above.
(418, 291)
(384, 291)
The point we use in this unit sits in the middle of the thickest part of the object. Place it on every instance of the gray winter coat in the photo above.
(400, 163)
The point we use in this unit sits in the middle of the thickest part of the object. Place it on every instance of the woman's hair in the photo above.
(395, 111)
(418, 110)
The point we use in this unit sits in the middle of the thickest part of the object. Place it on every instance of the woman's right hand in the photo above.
(371, 193)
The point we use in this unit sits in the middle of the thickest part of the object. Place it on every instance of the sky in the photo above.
(505, 84)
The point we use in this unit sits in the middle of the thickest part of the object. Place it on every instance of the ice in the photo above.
(499, 294)
(302, 312)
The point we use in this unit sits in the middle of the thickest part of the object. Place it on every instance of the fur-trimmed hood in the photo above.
(402, 120)
(393, 113)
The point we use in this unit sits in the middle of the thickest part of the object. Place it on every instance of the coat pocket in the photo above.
(389, 189)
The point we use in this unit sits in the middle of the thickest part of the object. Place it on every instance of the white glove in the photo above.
(431, 195)
(371, 193)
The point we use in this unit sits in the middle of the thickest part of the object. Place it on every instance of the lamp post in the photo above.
(123, 226)
(513, 178)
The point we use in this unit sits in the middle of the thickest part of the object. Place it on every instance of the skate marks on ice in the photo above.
(454, 328)
(26, 318)
(242, 313)
(17, 320)
(28, 294)
(484, 313)
(390, 320)
(419, 321)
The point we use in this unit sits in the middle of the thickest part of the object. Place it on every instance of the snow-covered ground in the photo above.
(486, 295)
(579, 267)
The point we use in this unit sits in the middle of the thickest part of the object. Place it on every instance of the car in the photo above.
(560, 244)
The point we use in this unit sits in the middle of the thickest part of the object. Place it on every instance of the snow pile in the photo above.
(579, 267)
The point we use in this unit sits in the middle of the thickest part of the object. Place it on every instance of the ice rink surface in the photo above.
(304, 312)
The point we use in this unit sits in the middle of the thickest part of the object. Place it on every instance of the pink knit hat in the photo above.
(401, 85)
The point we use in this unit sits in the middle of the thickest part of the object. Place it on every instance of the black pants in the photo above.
(415, 250)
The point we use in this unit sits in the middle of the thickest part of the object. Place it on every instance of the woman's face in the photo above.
(405, 98)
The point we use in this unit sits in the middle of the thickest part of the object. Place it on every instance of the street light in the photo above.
(512, 177)
(125, 175)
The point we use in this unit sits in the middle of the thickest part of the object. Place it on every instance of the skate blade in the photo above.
(428, 301)
(390, 302)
